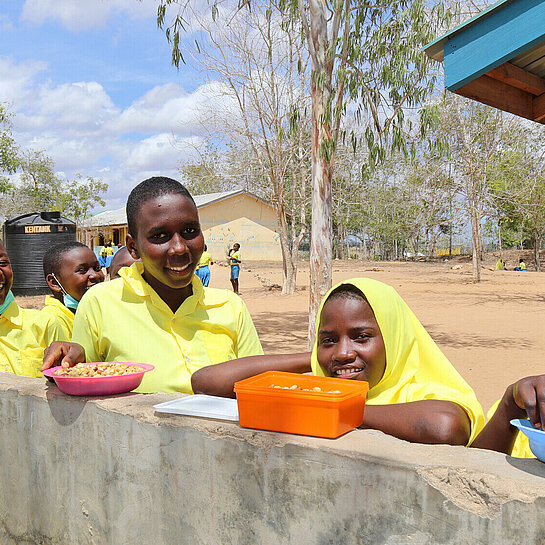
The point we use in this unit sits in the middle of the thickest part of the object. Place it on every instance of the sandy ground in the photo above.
(493, 332)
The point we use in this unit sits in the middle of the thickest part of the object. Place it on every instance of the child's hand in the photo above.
(63, 353)
(529, 394)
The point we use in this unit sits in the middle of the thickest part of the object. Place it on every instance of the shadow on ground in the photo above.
(272, 326)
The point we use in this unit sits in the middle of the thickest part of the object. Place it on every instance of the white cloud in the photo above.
(16, 80)
(6, 25)
(81, 128)
(81, 15)
(157, 153)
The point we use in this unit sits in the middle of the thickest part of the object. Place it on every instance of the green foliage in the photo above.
(80, 195)
(9, 151)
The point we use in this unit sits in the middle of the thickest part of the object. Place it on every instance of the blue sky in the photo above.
(90, 82)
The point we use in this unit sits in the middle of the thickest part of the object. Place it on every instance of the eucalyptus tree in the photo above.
(366, 54)
(259, 104)
(471, 135)
(517, 184)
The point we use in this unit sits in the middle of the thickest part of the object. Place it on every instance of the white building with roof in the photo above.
(226, 218)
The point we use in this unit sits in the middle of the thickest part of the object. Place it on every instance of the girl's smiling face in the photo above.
(169, 242)
(350, 343)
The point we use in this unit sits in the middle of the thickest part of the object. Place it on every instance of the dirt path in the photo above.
(493, 332)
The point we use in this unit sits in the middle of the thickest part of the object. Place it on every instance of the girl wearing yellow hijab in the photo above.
(365, 331)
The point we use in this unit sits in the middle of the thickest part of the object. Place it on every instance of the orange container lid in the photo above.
(279, 383)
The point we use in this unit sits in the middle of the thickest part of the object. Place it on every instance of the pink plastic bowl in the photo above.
(99, 386)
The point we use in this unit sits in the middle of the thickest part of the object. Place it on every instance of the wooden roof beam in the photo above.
(500, 95)
(519, 78)
(539, 109)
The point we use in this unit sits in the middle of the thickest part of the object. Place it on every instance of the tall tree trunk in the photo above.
(476, 238)
(289, 261)
(537, 244)
(322, 159)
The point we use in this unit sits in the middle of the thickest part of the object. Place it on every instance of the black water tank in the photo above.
(26, 239)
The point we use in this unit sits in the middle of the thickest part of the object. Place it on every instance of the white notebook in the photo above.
(221, 408)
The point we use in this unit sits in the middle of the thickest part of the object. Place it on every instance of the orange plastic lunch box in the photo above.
(267, 402)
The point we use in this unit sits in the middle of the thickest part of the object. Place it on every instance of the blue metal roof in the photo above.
(498, 57)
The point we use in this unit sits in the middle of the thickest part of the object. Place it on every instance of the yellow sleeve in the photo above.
(55, 331)
(248, 343)
(86, 328)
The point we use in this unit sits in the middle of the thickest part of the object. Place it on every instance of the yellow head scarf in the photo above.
(415, 367)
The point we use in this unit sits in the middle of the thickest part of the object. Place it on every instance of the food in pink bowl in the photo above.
(99, 378)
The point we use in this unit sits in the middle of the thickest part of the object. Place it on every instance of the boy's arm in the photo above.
(524, 398)
(428, 421)
(219, 379)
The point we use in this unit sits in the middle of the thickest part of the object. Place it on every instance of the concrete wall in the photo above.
(111, 472)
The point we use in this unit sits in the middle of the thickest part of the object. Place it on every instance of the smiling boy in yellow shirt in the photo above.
(158, 312)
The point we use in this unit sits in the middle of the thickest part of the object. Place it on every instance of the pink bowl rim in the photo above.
(147, 367)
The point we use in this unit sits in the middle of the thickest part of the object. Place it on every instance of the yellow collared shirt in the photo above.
(125, 320)
(24, 334)
(205, 259)
(235, 255)
(53, 307)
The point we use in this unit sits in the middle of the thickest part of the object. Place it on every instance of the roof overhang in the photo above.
(498, 57)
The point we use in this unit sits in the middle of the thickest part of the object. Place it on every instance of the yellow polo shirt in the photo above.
(125, 320)
(205, 259)
(53, 307)
(24, 334)
(235, 255)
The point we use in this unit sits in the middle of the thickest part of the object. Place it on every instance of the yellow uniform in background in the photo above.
(24, 335)
(125, 320)
(53, 307)
(205, 259)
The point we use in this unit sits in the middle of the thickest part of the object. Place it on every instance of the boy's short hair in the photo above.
(151, 189)
(53, 255)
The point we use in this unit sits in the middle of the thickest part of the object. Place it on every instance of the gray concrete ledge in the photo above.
(109, 471)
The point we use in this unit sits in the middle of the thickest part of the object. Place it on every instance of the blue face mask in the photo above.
(67, 299)
(7, 302)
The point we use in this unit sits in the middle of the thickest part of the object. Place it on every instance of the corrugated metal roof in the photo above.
(532, 61)
(119, 216)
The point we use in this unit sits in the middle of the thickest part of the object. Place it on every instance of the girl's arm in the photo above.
(429, 421)
(219, 379)
(525, 398)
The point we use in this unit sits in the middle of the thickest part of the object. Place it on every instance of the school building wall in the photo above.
(245, 220)
(111, 471)
(241, 218)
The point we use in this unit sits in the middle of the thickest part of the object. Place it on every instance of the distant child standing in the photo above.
(234, 261)
(70, 269)
(203, 269)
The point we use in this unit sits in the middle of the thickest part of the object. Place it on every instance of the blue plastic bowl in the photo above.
(536, 437)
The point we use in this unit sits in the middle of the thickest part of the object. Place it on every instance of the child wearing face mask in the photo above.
(70, 269)
(24, 333)
(365, 331)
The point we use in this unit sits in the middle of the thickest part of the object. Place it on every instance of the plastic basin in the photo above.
(99, 386)
(536, 437)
